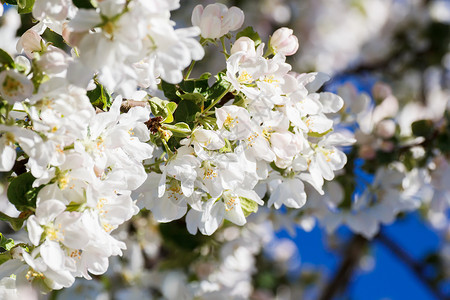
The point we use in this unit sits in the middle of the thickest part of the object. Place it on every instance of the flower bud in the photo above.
(216, 20)
(23, 64)
(15, 87)
(29, 42)
(385, 129)
(283, 41)
(244, 44)
(53, 61)
(387, 146)
(367, 152)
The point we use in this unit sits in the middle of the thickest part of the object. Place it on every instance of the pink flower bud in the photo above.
(246, 45)
(54, 61)
(387, 146)
(385, 129)
(216, 20)
(283, 41)
(29, 42)
(367, 152)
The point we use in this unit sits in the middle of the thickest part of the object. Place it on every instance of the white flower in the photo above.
(54, 61)
(287, 191)
(216, 20)
(28, 140)
(53, 13)
(235, 122)
(14, 86)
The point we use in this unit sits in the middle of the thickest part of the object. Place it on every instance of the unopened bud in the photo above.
(244, 44)
(283, 41)
(367, 152)
(165, 134)
(387, 146)
(29, 42)
(386, 129)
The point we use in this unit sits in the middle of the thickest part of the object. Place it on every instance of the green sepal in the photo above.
(319, 135)
(227, 148)
(248, 206)
(180, 129)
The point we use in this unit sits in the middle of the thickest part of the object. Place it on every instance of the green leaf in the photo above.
(422, 128)
(6, 59)
(170, 91)
(197, 98)
(219, 87)
(83, 4)
(99, 97)
(12, 2)
(250, 33)
(163, 108)
(176, 236)
(16, 223)
(21, 192)
(248, 206)
(199, 85)
(5, 243)
(443, 142)
(25, 6)
(180, 129)
(186, 112)
(4, 257)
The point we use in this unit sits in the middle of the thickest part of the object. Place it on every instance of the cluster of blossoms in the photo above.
(80, 163)
(82, 169)
(274, 134)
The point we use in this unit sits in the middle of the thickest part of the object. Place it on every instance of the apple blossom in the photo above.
(14, 86)
(216, 20)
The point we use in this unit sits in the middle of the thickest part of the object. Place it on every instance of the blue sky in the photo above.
(389, 278)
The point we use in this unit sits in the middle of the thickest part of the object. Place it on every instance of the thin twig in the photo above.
(416, 268)
(353, 252)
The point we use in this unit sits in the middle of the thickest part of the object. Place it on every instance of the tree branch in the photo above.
(416, 268)
(340, 280)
